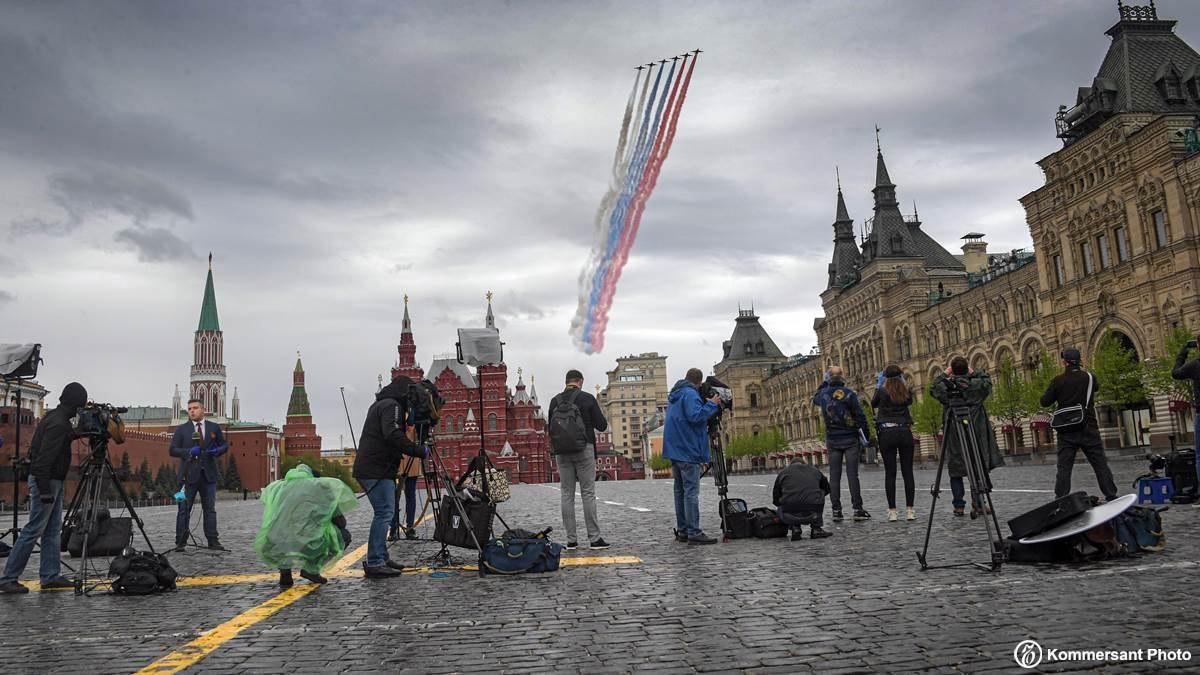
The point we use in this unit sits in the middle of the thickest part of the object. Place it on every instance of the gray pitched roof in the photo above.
(935, 255)
(462, 371)
(892, 236)
(750, 340)
(1143, 51)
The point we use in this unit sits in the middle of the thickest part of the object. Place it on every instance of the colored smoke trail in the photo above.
(636, 169)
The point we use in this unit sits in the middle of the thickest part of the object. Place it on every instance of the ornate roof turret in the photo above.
(489, 321)
(406, 323)
(843, 271)
(521, 396)
(750, 340)
(1148, 69)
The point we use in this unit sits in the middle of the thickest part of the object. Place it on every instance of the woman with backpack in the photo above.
(893, 428)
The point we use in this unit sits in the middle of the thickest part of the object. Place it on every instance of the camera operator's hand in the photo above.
(195, 451)
(715, 400)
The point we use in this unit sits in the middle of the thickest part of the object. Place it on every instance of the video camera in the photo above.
(713, 387)
(100, 422)
(424, 404)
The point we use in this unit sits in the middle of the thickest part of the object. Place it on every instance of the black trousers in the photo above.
(1068, 447)
(896, 443)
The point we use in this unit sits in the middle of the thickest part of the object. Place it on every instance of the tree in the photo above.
(1119, 373)
(233, 480)
(125, 471)
(1039, 382)
(1010, 397)
(145, 478)
(1158, 378)
(659, 463)
(927, 415)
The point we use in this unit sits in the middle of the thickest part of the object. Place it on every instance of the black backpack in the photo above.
(568, 433)
(138, 573)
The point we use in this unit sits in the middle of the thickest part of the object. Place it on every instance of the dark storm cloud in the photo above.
(155, 244)
(82, 196)
(336, 156)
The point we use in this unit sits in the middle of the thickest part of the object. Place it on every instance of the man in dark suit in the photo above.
(198, 444)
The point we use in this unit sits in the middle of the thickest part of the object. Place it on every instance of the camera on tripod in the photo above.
(713, 387)
(100, 422)
(424, 404)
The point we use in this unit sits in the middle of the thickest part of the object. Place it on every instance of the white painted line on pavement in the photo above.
(640, 509)
(613, 503)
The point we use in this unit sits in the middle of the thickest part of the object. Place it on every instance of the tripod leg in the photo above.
(129, 507)
(935, 490)
(981, 497)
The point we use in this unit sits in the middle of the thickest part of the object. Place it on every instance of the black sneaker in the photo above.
(215, 545)
(179, 548)
(572, 545)
(861, 515)
(315, 578)
(410, 534)
(960, 511)
(599, 544)
(818, 533)
(680, 536)
(837, 515)
(56, 584)
(13, 587)
(796, 535)
(701, 540)
(390, 563)
(285, 579)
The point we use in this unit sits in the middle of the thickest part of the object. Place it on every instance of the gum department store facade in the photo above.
(1116, 230)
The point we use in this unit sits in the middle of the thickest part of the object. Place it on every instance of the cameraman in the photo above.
(1191, 371)
(846, 432)
(685, 443)
(1068, 389)
(959, 385)
(383, 444)
(51, 455)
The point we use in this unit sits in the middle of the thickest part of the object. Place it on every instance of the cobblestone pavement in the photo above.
(856, 602)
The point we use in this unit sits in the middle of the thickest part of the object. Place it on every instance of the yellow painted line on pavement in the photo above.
(195, 651)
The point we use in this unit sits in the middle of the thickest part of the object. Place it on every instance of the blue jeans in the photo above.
(382, 495)
(687, 498)
(208, 503)
(410, 504)
(45, 523)
(958, 490)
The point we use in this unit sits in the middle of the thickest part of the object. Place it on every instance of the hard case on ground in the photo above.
(1047, 516)
(736, 518)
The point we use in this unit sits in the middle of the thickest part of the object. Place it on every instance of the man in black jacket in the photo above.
(1190, 370)
(799, 493)
(1076, 386)
(51, 454)
(384, 442)
(575, 464)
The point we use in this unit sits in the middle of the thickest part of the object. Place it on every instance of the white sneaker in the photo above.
(912, 515)
(893, 515)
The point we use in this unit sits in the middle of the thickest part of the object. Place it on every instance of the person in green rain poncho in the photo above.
(303, 524)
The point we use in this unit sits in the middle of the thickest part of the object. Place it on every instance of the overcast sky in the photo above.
(335, 156)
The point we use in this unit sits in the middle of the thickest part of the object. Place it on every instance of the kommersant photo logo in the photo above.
(1029, 654)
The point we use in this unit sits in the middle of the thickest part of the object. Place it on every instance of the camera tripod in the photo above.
(981, 489)
(439, 484)
(720, 473)
(83, 512)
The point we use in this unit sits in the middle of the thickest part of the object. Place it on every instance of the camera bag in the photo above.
(518, 552)
(765, 523)
(138, 573)
(735, 518)
(1181, 469)
(1047, 516)
(450, 529)
(108, 537)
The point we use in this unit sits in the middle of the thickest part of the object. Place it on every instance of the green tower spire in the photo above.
(208, 310)
(298, 406)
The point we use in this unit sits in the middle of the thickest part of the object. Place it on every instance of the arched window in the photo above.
(491, 422)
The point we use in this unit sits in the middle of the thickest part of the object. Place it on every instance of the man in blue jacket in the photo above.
(846, 432)
(198, 443)
(685, 443)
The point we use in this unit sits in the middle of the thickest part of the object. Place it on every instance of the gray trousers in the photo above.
(579, 467)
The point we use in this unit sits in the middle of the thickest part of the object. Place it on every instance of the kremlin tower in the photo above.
(299, 433)
(208, 360)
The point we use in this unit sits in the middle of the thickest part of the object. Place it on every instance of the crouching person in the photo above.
(303, 524)
(800, 492)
